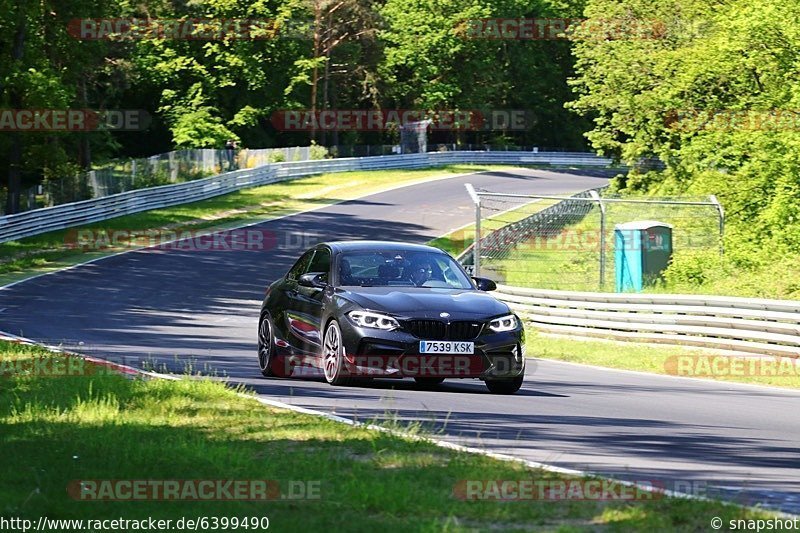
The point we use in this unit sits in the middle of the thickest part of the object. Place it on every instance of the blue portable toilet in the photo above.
(642, 251)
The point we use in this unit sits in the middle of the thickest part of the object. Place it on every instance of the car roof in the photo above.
(347, 246)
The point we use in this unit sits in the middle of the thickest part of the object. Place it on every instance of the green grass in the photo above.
(645, 358)
(97, 426)
(40, 253)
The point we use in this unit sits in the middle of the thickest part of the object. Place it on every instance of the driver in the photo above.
(421, 272)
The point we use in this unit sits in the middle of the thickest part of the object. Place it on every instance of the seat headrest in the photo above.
(388, 271)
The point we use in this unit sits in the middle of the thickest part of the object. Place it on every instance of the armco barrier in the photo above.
(29, 223)
(750, 325)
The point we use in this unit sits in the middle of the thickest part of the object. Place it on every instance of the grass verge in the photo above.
(667, 360)
(91, 425)
(51, 251)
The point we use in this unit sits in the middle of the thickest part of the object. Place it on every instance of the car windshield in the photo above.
(388, 268)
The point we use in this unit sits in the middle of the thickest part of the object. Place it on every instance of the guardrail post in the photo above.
(476, 247)
(600, 203)
(721, 224)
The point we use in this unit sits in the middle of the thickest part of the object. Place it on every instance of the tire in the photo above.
(504, 386)
(333, 355)
(266, 347)
(429, 382)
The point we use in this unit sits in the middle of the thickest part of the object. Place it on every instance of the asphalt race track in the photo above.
(172, 307)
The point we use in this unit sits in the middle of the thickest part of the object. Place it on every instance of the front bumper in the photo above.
(371, 352)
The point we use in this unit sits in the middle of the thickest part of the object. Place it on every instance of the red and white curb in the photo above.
(126, 370)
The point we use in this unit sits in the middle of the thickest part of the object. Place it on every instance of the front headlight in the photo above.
(504, 323)
(368, 319)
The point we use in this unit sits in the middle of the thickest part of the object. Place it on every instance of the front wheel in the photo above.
(504, 386)
(266, 348)
(333, 355)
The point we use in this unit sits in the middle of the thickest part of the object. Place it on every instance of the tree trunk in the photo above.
(84, 149)
(15, 150)
(315, 76)
(14, 174)
(326, 78)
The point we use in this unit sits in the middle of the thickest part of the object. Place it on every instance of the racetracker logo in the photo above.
(56, 366)
(236, 240)
(453, 366)
(199, 29)
(403, 366)
(74, 120)
(555, 490)
(727, 120)
(507, 490)
(192, 490)
(391, 119)
(553, 240)
(720, 366)
(545, 29)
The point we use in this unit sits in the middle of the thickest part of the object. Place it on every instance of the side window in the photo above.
(321, 261)
(301, 266)
(447, 272)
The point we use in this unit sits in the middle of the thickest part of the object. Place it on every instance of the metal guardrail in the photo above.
(29, 223)
(750, 325)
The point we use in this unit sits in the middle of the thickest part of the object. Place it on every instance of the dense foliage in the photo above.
(710, 89)
(340, 54)
(706, 86)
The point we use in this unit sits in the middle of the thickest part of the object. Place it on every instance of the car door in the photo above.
(311, 300)
(292, 322)
(304, 304)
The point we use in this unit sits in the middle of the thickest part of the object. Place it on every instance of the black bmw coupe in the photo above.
(355, 310)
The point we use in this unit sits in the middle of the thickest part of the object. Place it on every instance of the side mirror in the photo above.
(485, 284)
(315, 280)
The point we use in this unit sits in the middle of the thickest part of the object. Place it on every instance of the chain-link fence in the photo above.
(186, 165)
(563, 243)
(162, 169)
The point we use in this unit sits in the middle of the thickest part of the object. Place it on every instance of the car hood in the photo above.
(421, 302)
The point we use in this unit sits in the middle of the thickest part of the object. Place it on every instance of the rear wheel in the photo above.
(504, 386)
(333, 355)
(266, 348)
(429, 382)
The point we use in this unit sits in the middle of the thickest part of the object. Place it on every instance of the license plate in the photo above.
(449, 347)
